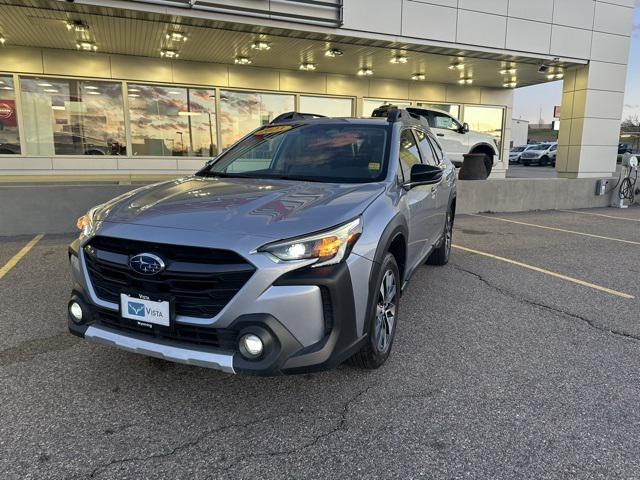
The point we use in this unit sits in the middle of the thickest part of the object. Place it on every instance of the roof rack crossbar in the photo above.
(292, 116)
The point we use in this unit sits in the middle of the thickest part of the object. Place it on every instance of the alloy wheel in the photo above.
(386, 312)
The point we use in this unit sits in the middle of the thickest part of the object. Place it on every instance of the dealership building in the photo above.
(120, 89)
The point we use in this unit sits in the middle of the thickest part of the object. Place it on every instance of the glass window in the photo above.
(242, 112)
(487, 120)
(443, 121)
(72, 117)
(172, 121)
(409, 153)
(9, 138)
(450, 108)
(425, 148)
(329, 152)
(327, 106)
(370, 104)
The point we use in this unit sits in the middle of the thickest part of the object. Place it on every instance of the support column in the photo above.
(593, 97)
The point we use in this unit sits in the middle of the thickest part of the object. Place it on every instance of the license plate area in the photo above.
(146, 310)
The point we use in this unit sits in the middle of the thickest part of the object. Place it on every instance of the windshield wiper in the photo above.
(209, 173)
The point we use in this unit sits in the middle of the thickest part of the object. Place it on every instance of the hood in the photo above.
(275, 209)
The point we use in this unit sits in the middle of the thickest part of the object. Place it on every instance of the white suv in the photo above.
(455, 137)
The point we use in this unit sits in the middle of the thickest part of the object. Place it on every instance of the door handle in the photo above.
(440, 134)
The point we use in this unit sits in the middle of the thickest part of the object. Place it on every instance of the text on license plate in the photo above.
(143, 310)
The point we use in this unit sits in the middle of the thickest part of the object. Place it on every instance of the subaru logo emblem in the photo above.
(146, 264)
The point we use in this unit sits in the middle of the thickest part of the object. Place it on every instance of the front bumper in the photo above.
(285, 353)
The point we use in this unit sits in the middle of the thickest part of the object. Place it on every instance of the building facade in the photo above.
(153, 87)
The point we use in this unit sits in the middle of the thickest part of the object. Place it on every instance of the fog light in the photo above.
(251, 346)
(76, 311)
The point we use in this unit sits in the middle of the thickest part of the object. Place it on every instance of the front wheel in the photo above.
(382, 319)
(440, 255)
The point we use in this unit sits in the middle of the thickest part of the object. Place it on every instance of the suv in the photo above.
(542, 154)
(287, 253)
(455, 137)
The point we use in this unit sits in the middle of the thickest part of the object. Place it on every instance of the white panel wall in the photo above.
(562, 28)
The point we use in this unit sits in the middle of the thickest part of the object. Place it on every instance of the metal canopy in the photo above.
(42, 23)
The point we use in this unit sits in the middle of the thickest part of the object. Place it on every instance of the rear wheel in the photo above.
(544, 161)
(383, 318)
(440, 255)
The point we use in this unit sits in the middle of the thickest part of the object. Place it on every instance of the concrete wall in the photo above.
(32, 209)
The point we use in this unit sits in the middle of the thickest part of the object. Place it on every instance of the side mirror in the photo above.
(465, 128)
(422, 174)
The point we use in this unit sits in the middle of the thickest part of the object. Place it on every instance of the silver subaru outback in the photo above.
(287, 253)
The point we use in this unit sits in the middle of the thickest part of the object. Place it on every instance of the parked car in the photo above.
(514, 154)
(287, 253)
(456, 138)
(542, 154)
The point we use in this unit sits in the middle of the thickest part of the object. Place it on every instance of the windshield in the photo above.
(518, 149)
(533, 147)
(329, 152)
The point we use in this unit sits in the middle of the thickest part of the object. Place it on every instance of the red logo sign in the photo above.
(6, 110)
(7, 113)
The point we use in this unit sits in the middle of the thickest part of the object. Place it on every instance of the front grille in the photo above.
(200, 280)
(220, 338)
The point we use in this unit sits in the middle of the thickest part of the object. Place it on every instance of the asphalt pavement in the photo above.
(520, 359)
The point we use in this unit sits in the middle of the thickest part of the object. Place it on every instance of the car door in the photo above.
(420, 203)
(439, 191)
(449, 133)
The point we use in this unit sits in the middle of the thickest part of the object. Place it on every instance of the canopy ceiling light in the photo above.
(365, 72)
(399, 59)
(166, 53)
(78, 26)
(307, 66)
(176, 37)
(457, 66)
(333, 52)
(242, 61)
(86, 45)
(260, 45)
(418, 76)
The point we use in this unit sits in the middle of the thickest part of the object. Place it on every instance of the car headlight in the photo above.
(87, 224)
(327, 248)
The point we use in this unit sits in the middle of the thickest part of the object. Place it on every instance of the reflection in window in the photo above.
(327, 106)
(451, 109)
(488, 120)
(9, 139)
(72, 117)
(370, 104)
(170, 121)
(242, 112)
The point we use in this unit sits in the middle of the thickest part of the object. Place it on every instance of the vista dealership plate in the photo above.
(148, 311)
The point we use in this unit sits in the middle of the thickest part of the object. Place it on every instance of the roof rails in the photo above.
(395, 114)
(292, 116)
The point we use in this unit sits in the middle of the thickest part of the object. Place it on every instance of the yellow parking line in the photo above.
(547, 272)
(626, 219)
(13, 261)
(558, 229)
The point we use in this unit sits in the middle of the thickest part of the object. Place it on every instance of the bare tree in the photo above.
(631, 124)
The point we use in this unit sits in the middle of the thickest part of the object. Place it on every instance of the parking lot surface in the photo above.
(520, 359)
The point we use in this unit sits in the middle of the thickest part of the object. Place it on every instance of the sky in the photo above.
(529, 102)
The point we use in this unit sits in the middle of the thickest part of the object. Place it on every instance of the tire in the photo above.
(383, 318)
(442, 252)
(488, 163)
(544, 161)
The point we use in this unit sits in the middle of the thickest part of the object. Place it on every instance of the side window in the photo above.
(425, 147)
(409, 153)
(554, 148)
(437, 149)
(441, 120)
